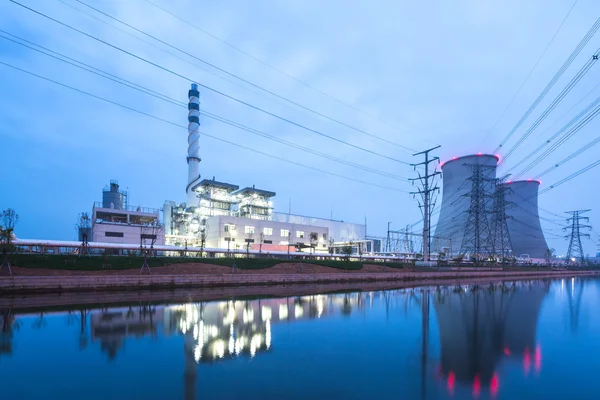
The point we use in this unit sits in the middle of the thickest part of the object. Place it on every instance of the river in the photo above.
(513, 340)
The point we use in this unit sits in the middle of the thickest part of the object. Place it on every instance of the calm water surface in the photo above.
(524, 340)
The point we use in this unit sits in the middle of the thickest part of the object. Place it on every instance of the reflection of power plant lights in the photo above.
(298, 311)
(320, 306)
(283, 311)
(248, 315)
(266, 313)
(268, 334)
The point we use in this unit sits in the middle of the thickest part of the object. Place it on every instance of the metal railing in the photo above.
(148, 210)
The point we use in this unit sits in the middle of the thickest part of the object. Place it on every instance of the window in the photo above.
(229, 228)
(285, 233)
(249, 230)
(145, 236)
(324, 236)
(300, 234)
(268, 242)
(113, 234)
(249, 240)
(268, 231)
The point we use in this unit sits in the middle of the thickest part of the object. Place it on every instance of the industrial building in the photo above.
(114, 221)
(222, 215)
(484, 215)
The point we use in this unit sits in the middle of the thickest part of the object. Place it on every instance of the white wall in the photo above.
(131, 234)
(216, 232)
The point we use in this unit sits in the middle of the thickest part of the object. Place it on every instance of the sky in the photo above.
(416, 74)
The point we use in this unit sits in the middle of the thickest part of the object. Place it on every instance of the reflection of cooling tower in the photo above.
(478, 329)
(457, 184)
(524, 225)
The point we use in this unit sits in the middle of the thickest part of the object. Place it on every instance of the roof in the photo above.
(470, 156)
(253, 190)
(213, 183)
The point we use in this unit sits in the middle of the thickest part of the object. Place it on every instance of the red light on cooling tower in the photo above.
(476, 386)
(479, 154)
(526, 361)
(538, 359)
(451, 382)
(494, 385)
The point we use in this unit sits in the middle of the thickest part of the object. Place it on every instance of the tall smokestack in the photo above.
(193, 156)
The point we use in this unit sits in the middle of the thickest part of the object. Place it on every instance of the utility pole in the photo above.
(575, 247)
(387, 243)
(425, 191)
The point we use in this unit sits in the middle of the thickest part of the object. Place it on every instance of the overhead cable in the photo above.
(203, 133)
(188, 79)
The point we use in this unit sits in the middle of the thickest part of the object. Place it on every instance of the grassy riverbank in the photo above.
(98, 263)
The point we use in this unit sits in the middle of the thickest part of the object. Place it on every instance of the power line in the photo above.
(529, 74)
(552, 82)
(572, 83)
(173, 101)
(573, 175)
(242, 79)
(233, 98)
(203, 133)
(304, 83)
(570, 157)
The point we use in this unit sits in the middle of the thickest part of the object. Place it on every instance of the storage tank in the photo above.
(168, 216)
(114, 198)
(523, 222)
(456, 187)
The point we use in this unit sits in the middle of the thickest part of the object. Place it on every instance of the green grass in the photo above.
(96, 263)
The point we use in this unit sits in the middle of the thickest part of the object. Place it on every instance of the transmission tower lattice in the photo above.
(500, 237)
(575, 250)
(477, 238)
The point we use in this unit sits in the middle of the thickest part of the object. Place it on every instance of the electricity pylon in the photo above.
(575, 250)
(500, 237)
(477, 238)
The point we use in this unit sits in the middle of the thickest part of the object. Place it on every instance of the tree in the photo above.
(289, 242)
(249, 241)
(549, 255)
(9, 219)
(203, 233)
(149, 231)
(83, 226)
(331, 242)
(314, 239)
(261, 239)
(347, 250)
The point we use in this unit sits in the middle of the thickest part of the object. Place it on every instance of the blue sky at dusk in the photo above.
(414, 73)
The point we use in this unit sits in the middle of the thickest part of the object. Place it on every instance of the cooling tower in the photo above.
(457, 186)
(523, 223)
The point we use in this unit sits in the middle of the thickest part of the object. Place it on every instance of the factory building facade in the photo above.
(114, 221)
(223, 215)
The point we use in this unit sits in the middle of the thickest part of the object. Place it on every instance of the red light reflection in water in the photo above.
(494, 385)
(538, 359)
(451, 381)
(476, 386)
(506, 351)
(526, 361)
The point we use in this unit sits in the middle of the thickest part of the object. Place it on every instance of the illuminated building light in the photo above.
(451, 382)
(538, 359)
(266, 313)
(476, 386)
(283, 311)
(494, 385)
(298, 311)
(268, 334)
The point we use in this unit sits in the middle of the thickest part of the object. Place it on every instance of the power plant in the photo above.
(483, 216)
